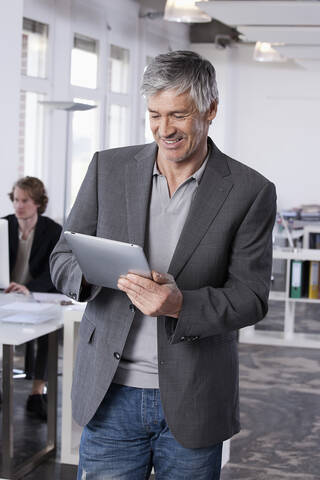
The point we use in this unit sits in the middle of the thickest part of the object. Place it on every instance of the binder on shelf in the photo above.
(299, 278)
(314, 280)
(311, 241)
(314, 241)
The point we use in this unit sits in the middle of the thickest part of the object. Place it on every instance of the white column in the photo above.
(62, 43)
(10, 54)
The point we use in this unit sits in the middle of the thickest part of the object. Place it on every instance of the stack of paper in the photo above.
(29, 312)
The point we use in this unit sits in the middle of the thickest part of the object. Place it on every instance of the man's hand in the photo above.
(159, 296)
(17, 288)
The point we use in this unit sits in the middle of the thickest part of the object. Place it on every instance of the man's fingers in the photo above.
(142, 282)
(143, 304)
(146, 283)
(162, 278)
(11, 287)
(128, 286)
(16, 287)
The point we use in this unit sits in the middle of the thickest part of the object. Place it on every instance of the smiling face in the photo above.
(178, 128)
(24, 206)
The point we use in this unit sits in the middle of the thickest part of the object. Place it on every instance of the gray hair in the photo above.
(184, 71)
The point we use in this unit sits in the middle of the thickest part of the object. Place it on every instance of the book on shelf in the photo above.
(314, 280)
(299, 280)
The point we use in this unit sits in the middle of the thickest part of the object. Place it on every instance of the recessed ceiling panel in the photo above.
(313, 65)
(291, 35)
(242, 12)
(307, 52)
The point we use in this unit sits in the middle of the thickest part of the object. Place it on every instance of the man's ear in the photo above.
(212, 112)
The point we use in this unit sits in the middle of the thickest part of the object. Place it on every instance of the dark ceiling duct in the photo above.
(213, 32)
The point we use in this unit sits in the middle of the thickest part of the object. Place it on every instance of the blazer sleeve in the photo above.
(243, 299)
(65, 270)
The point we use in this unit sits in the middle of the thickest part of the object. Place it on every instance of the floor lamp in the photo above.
(68, 107)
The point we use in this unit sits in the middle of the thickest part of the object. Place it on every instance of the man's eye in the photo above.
(179, 116)
(154, 116)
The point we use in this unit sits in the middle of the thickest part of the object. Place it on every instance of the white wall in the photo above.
(10, 48)
(269, 119)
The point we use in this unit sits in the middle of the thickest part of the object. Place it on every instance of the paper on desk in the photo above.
(25, 312)
(50, 297)
(25, 307)
(29, 318)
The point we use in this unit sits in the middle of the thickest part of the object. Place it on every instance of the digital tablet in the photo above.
(102, 261)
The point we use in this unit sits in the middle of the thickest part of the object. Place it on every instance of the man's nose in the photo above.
(166, 128)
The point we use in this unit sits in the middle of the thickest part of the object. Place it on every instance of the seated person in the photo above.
(32, 238)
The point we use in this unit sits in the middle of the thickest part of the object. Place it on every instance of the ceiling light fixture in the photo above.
(264, 52)
(184, 11)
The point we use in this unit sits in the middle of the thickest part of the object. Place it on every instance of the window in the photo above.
(34, 48)
(84, 144)
(31, 127)
(119, 69)
(118, 114)
(84, 62)
(118, 126)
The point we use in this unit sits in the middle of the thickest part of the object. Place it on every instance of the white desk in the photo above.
(12, 334)
(70, 430)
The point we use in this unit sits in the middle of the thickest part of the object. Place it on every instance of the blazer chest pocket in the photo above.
(87, 330)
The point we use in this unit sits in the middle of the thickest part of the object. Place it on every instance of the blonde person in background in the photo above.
(32, 238)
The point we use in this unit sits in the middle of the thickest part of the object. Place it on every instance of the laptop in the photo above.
(4, 254)
(102, 260)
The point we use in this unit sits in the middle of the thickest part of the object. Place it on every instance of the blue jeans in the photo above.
(128, 436)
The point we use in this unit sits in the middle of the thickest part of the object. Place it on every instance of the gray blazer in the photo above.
(222, 264)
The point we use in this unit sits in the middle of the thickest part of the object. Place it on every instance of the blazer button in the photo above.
(73, 295)
(117, 355)
(196, 337)
(132, 308)
(182, 339)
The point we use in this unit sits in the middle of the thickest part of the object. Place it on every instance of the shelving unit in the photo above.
(306, 233)
(288, 337)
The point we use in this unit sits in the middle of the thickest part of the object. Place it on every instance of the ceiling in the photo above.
(272, 12)
(294, 23)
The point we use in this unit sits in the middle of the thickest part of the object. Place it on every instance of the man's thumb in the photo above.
(162, 278)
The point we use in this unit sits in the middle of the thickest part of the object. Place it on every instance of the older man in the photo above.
(156, 376)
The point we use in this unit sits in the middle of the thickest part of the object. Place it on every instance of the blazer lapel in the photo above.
(138, 189)
(211, 194)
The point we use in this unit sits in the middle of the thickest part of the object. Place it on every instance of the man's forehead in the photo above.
(21, 191)
(170, 98)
